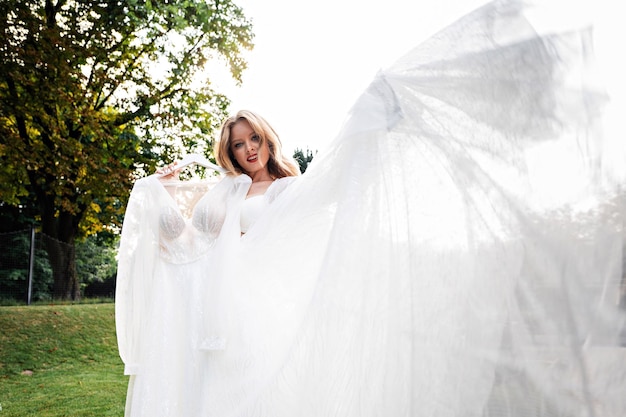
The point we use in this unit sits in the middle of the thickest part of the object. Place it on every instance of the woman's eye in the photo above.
(256, 138)
(237, 145)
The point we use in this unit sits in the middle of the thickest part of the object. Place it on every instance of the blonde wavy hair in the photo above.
(279, 165)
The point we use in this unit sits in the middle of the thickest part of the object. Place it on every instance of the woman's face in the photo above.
(245, 146)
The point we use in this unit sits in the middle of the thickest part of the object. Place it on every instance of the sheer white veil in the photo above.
(456, 251)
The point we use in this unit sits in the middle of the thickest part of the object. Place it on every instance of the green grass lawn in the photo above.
(60, 360)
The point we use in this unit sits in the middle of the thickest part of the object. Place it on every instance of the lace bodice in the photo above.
(188, 223)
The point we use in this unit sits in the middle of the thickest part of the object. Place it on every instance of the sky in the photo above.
(312, 60)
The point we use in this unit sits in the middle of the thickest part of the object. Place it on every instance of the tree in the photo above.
(93, 93)
(302, 159)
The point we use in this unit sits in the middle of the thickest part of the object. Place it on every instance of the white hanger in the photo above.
(198, 159)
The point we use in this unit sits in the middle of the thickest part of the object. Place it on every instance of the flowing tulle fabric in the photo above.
(456, 251)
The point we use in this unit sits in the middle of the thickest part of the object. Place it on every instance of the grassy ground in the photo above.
(60, 361)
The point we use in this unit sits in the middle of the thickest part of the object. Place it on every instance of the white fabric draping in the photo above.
(456, 250)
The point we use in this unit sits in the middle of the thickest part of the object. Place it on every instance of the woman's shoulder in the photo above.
(278, 186)
(285, 181)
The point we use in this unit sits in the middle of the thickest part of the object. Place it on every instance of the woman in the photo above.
(250, 150)
(176, 240)
(425, 264)
(250, 146)
(253, 131)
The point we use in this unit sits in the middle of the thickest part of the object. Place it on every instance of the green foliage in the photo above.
(96, 265)
(94, 93)
(303, 159)
(96, 260)
(71, 351)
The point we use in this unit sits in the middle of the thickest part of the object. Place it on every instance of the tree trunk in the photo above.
(59, 241)
(63, 262)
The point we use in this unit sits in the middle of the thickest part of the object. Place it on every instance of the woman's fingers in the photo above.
(168, 171)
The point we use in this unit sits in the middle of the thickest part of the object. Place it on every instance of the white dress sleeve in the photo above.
(137, 256)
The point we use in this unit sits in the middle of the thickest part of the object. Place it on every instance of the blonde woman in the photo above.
(250, 146)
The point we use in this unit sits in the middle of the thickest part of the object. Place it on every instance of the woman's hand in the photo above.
(168, 172)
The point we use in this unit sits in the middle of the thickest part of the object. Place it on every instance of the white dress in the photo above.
(427, 263)
(167, 287)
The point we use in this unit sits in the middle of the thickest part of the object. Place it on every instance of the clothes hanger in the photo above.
(198, 159)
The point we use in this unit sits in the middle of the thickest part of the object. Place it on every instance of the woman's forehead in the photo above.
(241, 129)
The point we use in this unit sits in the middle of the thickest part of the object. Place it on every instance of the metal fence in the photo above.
(26, 270)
